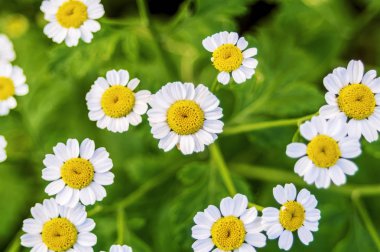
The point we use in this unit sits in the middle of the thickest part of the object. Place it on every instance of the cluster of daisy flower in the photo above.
(188, 117)
(12, 83)
(352, 111)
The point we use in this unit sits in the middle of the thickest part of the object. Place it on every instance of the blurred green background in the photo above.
(155, 195)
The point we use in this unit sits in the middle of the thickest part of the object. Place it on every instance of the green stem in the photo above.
(218, 159)
(276, 175)
(120, 225)
(214, 86)
(14, 246)
(232, 130)
(115, 22)
(143, 12)
(366, 219)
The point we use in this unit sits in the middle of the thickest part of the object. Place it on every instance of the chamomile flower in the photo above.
(3, 144)
(232, 228)
(325, 157)
(229, 56)
(58, 228)
(297, 213)
(12, 82)
(120, 248)
(185, 116)
(113, 103)
(71, 20)
(77, 172)
(7, 53)
(355, 96)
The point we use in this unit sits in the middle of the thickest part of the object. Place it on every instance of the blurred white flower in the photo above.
(7, 53)
(3, 153)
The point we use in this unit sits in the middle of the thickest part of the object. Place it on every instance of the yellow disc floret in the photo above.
(59, 234)
(292, 215)
(77, 173)
(227, 58)
(357, 101)
(185, 117)
(324, 151)
(7, 88)
(72, 14)
(228, 233)
(118, 101)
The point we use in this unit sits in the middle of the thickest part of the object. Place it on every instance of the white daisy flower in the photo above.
(7, 53)
(297, 213)
(120, 248)
(355, 96)
(58, 228)
(3, 144)
(12, 82)
(113, 104)
(230, 57)
(232, 228)
(185, 116)
(78, 172)
(325, 157)
(71, 20)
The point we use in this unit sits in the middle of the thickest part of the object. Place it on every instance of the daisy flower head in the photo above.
(71, 20)
(232, 228)
(325, 157)
(3, 144)
(120, 248)
(230, 56)
(7, 53)
(185, 116)
(356, 96)
(12, 83)
(297, 213)
(58, 228)
(113, 103)
(77, 172)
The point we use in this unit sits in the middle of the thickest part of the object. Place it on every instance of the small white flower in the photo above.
(185, 116)
(12, 82)
(3, 144)
(229, 56)
(7, 53)
(120, 248)
(71, 20)
(78, 172)
(232, 228)
(355, 96)
(325, 157)
(297, 213)
(58, 228)
(113, 104)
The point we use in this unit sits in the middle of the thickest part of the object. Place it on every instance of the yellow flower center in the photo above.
(72, 14)
(7, 88)
(323, 151)
(228, 233)
(357, 101)
(77, 173)
(118, 101)
(59, 234)
(227, 58)
(185, 117)
(292, 215)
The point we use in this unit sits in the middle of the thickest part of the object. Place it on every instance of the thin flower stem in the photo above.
(14, 246)
(214, 86)
(218, 159)
(115, 22)
(366, 219)
(120, 225)
(143, 12)
(232, 130)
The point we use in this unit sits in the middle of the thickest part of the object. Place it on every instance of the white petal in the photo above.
(308, 130)
(286, 240)
(238, 76)
(203, 245)
(55, 187)
(227, 206)
(279, 194)
(257, 240)
(224, 78)
(337, 175)
(242, 43)
(200, 232)
(355, 71)
(240, 204)
(186, 144)
(290, 192)
(295, 150)
(87, 148)
(347, 166)
(305, 235)
(212, 212)
(87, 239)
